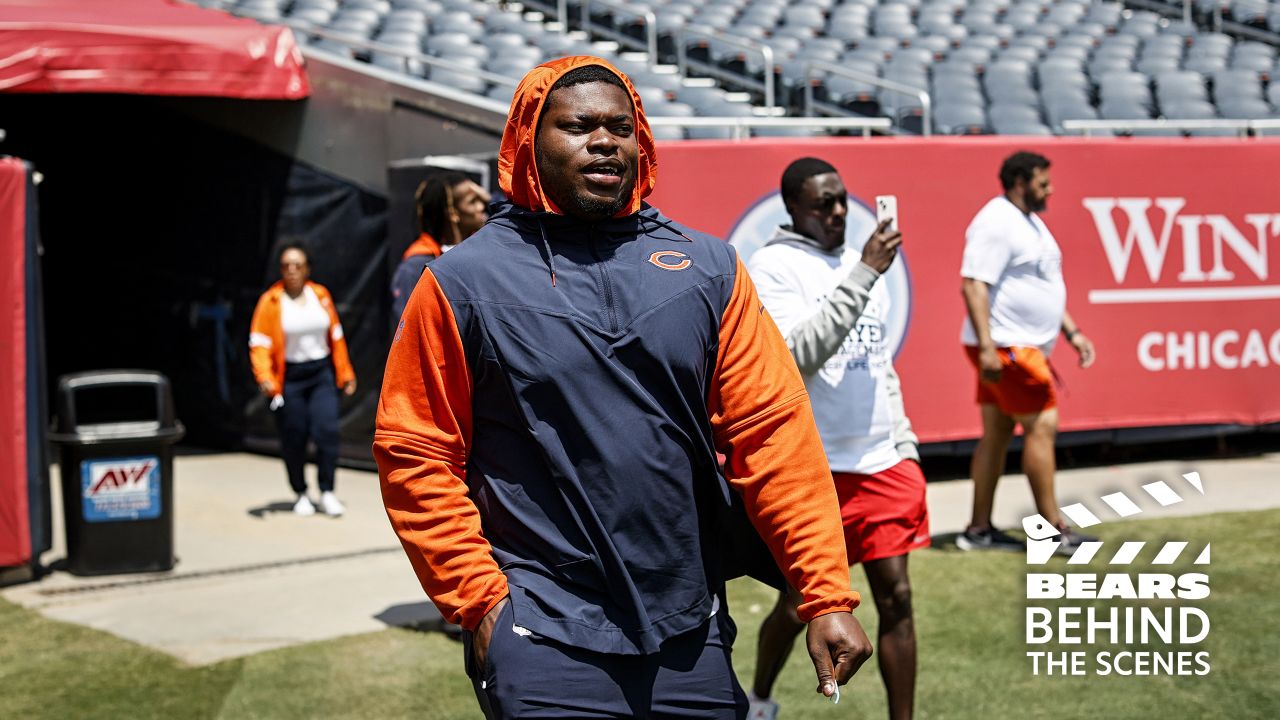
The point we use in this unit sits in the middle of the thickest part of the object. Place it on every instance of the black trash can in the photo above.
(116, 432)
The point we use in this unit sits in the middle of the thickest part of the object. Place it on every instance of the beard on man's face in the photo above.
(1033, 203)
(589, 206)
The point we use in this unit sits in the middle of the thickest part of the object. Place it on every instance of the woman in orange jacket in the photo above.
(299, 358)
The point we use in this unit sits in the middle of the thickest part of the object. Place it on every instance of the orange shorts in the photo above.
(1026, 383)
(884, 514)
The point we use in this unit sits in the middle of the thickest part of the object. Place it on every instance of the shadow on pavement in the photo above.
(280, 506)
(419, 616)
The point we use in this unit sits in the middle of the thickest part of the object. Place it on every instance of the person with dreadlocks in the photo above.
(450, 208)
(550, 418)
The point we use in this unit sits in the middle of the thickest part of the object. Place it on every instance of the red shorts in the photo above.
(1026, 383)
(884, 514)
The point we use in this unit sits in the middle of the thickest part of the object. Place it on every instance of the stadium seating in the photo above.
(989, 66)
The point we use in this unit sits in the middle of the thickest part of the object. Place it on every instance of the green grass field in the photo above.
(969, 617)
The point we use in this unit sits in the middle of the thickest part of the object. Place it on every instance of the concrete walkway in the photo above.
(252, 576)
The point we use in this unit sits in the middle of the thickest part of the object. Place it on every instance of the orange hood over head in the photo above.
(517, 164)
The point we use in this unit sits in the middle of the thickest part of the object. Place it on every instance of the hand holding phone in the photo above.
(887, 209)
(882, 246)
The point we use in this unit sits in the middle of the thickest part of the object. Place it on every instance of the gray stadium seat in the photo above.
(1254, 49)
(1013, 113)
(501, 42)
(1017, 127)
(1019, 52)
(382, 7)
(1061, 113)
(1107, 14)
(845, 89)
(337, 45)
(1157, 64)
(671, 109)
(1273, 94)
(457, 21)
(667, 132)
(1103, 64)
(508, 22)
(1180, 85)
(956, 93)
(1181, 29)
(509, 66)
(1237, 83)
(459, 75)
(1255, 62)
(651, 96)
(430, 7)
(971, 54)
(502, 93)
(709, 133)
(784, 131)
(407, 18)
(261, 9)
(1123, 109)
(318, 17)
(937, 45)
(1241, 108)
(1206, 65)
(360, 15)
(1190, 110)
(701, 98)
(951, 119)
(555, 44)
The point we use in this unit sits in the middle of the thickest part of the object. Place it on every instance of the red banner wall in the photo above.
(15, 532)
(1170, 253)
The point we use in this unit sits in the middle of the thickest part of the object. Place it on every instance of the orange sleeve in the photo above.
(762, 422)
(421, 446)
(342, 369)
(261, 339)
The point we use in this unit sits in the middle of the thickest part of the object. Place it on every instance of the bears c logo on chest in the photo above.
(670, 260)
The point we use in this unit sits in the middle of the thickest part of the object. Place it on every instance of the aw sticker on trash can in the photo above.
(115, 489)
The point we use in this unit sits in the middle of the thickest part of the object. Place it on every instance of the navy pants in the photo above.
(310, 411)
(526, 676)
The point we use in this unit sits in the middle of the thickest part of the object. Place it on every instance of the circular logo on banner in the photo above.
(757, 225)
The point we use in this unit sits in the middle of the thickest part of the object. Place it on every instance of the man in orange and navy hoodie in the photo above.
(552, 407)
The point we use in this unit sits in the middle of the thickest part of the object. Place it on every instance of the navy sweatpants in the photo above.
(310, 411)
(530, 677)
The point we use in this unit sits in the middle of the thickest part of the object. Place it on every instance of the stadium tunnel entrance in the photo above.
(159, 235)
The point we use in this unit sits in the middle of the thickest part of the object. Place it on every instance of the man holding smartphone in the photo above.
(824, 296)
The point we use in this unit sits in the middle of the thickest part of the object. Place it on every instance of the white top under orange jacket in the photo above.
(266, 338)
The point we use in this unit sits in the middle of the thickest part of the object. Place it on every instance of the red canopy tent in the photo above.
(144, 47)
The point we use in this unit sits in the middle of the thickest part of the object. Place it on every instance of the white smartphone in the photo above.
(887, 209)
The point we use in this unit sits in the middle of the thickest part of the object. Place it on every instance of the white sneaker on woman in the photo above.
(331, 505)
(304, 506)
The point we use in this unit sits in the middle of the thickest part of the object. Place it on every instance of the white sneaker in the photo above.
(331, 505)
(765, 709)
(304, 506)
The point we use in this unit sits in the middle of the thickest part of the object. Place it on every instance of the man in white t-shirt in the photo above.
(824, 296)
(1017, 305)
